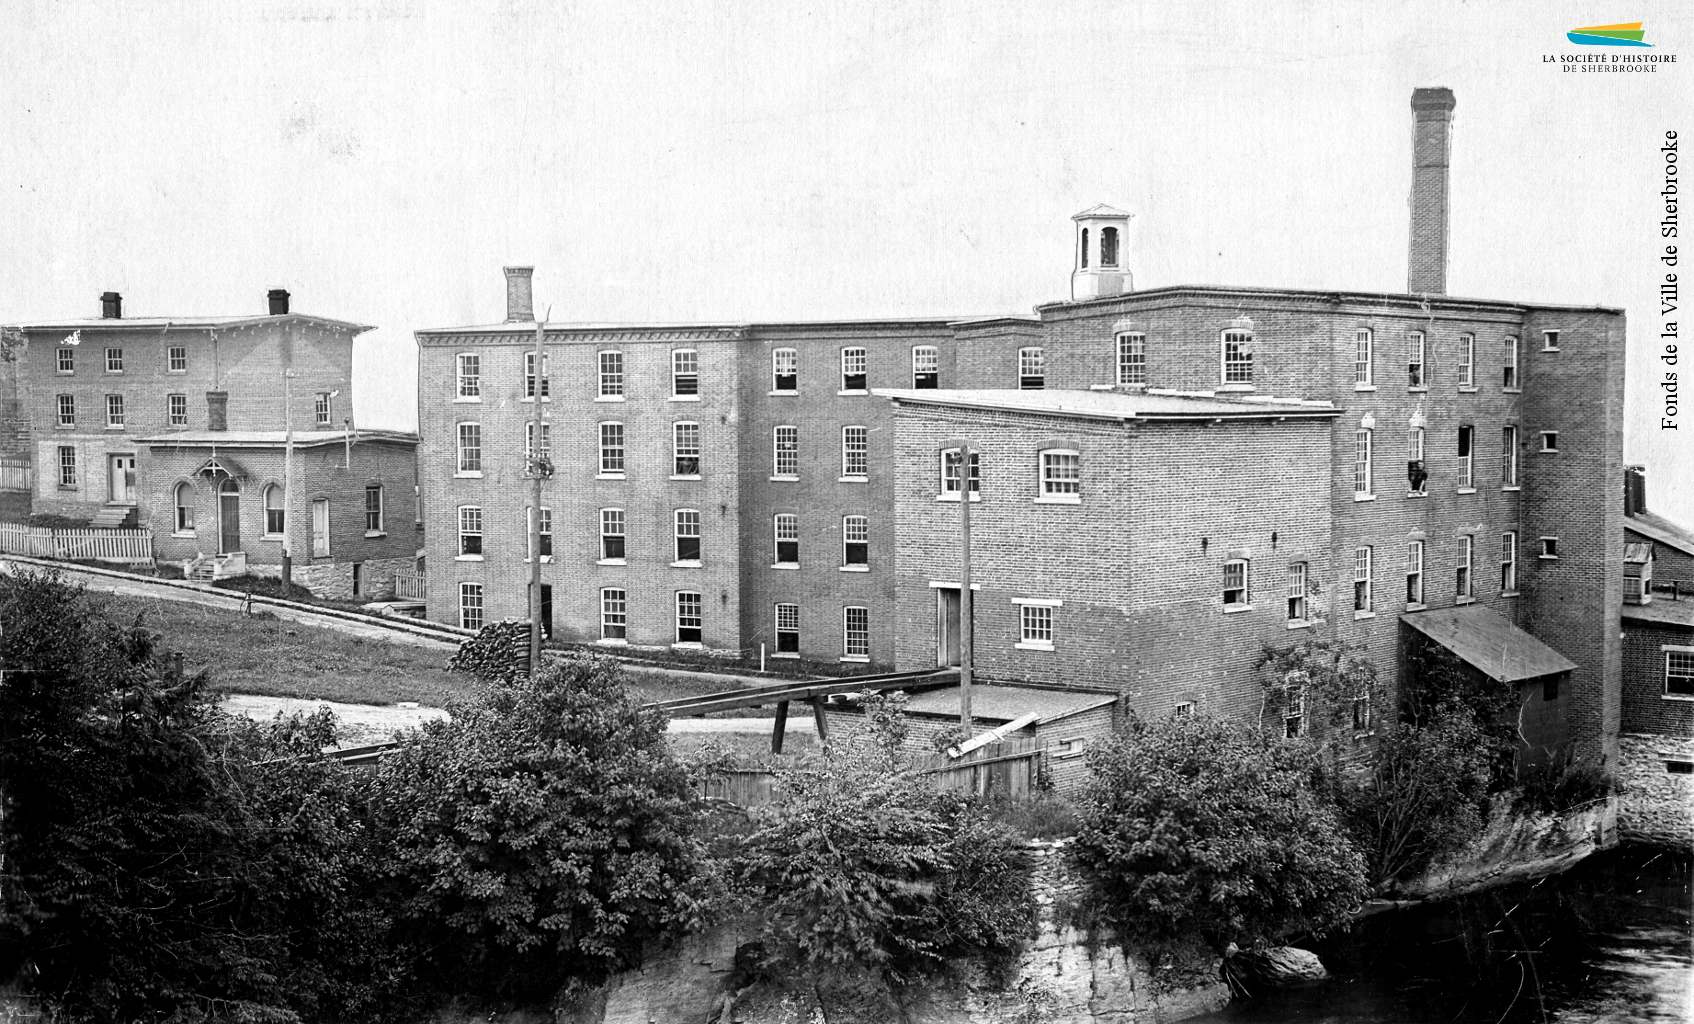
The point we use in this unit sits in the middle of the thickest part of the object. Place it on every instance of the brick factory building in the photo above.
(1169, 479)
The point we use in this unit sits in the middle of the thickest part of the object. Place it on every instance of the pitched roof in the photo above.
(1662, 530)
(1004, 703)
(1115, 405)
(133, 323)
(1486, 640)
(1100, 210)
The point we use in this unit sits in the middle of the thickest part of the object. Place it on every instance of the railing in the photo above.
(1675, 590)
(132, 547)
(408, 586)
(1007, 769)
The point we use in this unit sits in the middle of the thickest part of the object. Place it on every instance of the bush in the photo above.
(866, 865)
(1193, 827)
(542, 835)
(1565, 781)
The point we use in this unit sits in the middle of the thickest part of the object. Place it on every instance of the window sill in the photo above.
(954, 497)
(685, 476)
(118, 427)
(1511, 391)
(784, 394)
(530, 400)
(784, 479)
(373, 534)
(545, 560)
(1231, 609)
(857, 659)
(1510, 593)
(467, 558)
(1465, 490)
(1467, 389)
(853, 480)
(1031, 645)
(1363, 497)
(1364, 387)
(854, 568)
(1549, 451)
(612, 641)
(785, 565)
(1236, 387)
(611, 476)
(687, 564)
(609, 398)
(1058, 499)
(1512, 487)
(468, 400)
(1549, 350)
(853, 391)
(1676, 696)
(1415, 606)
(64, 426)
(1546, 558)
(786, 655)
(612, 561)
(684, 398)
(64, 373)
(688, 645)
(468, 474)
(1417, 494)
(184, 533)
(1299, 624)
(1417, 387)
(277, 537)
(1358, 616)
(1464, 600)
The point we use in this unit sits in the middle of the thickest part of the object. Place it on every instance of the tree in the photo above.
(1198, 827)
(542, 835)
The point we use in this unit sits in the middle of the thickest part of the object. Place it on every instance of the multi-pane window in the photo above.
(114, 360)
(176, 410)
(853, 362)
(614, 614)
(611, 534)
(611, 447)
(276, 517)
(1363, 598)
(67, 360)
(1466, 457)
(470, 448)
(1032, 368)
(1297, 592)
(470, 606)
(788, 629)
(1361, 711)
(856, 632)
(950, 472)
(176, 359)
(926, 366)
(786, 528)
(1235, 594)
(1417, 473)
(1467, 360)
(855, 451)
(470, 375)
(321, 408)
(529, 375)
(1035, 624)
(687, 535)
(685, 447)
(1361, 462)
(611, 374)
(1508, 562)
(787, 447)
(470, 530)
(67, 410)
(67, 466)
(1509, 374)
(855, 540)
(1294, 714)
(114, 410)
(183, 496)
(1363, 358)
(1237, 357)
(1549, 341)
(785, 370)
(1061, 474)
(1416, 372)
(529, 452)
(685, 372)
(689, 617)
(1414, 572)
(1508, 456)
(1132, 358)
(1679, 673)
(373, 508)
(1461, 577)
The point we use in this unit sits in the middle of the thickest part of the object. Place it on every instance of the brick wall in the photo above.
(1646, 709)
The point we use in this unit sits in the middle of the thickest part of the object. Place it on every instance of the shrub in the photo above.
(542, 835)
(866, 865)
(1197, 827)
(1565, 781)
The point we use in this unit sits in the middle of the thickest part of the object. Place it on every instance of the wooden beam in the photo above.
(780, 727)
(820, 719)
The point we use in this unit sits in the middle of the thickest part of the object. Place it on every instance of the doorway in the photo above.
(547, 611)
(947, 626)
(121, 474)
(229, 516)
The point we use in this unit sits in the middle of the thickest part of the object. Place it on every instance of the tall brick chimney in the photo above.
(278, 299)
(1634, 490)
(519, 297)
(217, 410)
(111, 306)
(1432, 117)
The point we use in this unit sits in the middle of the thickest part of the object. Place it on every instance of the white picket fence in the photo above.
(408, 586)
(130, 547)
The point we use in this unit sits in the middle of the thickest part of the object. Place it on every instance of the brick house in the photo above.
(785, 486)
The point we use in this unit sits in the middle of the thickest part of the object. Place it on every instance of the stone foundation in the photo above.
(333, 581)
(1657, 805)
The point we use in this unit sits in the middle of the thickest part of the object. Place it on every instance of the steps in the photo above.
(114, 517)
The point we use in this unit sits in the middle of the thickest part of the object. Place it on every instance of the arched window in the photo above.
(1085, 248)
(1108, 247)
(184, 508)
(275, 516)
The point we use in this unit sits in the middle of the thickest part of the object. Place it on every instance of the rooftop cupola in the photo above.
(1101, 255)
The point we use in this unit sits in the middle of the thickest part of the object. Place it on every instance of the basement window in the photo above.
(1675, 767)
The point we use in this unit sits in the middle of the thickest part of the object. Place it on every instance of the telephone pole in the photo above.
(540, 467)
(965, 666)
(287, 477)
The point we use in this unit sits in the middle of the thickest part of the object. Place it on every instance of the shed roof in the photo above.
(1487, 640)
(1662, 530)
(1004, 703)
(1661, 612)
(1115, 405)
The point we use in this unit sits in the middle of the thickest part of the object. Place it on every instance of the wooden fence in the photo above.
(408, 586)
(16, 474)
(1007, 769)
(130, 547)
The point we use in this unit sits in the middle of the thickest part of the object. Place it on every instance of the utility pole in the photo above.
(287, 477)
(540, 467)
(965, 667)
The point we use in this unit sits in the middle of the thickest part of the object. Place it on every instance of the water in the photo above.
(1608, 942)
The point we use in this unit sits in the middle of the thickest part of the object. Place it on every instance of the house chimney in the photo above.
(217, 410)
(1634, 490)
(1432, 122)
(519, 297)
(111, 306)
(279, 301)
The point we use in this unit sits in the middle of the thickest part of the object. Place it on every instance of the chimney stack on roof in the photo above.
(217, 410)
(1432, 119)
(111, 306)
(519, 296)
(278, 298)
(1634, 490)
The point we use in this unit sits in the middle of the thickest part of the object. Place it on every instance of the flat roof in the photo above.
(1488, 641)
(1004, 703)
(1335, 295)
(1154, 404)
(269, 438)
(183, 322)
(631, 327)
(1662, 612)
(1662, 530)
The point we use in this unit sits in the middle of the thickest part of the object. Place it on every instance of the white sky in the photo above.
(706, 161)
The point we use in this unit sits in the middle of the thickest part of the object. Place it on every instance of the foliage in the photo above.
(499, 652)
(1437, 687)
(1193, 826)
(1335, 672)
(1567, 780)
(541, 835)
(1042, 816)
(865, 864)
(1424, 795)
